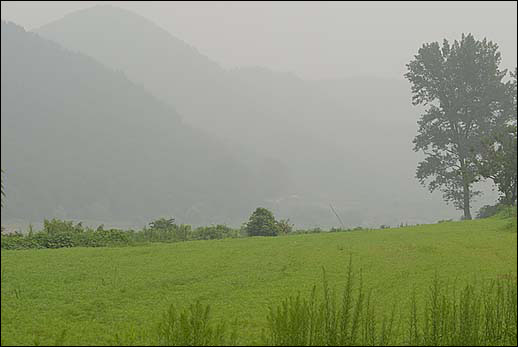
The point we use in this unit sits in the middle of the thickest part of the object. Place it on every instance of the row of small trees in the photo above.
(59, 233)
(261, 223)
(468, 129)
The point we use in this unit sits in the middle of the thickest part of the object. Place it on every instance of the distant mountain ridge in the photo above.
(80, 140)
(345, 141)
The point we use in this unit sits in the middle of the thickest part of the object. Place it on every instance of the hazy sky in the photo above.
(313, 40)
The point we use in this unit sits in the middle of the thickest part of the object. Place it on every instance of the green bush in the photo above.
(191, 327)
(262, 223)
(62, 234)
(56, 226)
(489, 211)
(162, 224)
(166, 230)
(284, 227)
(18, 241)
(163, 230)
(214, 232)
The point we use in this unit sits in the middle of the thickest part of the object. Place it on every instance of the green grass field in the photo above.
(93, 293)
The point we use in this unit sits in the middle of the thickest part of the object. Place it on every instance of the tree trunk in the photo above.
(467, 212)
(465, 189)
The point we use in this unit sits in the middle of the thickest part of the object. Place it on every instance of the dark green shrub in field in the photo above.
(214, 232)
(18, 241)
(262, 223)
(192, 327)
(101, 237)
(489, 210)
(54, 240)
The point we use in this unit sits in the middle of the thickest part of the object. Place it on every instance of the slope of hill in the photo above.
(95, 293)
(347, 141)
(80, 140)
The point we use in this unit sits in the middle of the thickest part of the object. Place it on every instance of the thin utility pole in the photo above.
(337, 216)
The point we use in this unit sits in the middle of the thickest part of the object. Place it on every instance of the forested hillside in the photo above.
(337, 141)
(80, 140)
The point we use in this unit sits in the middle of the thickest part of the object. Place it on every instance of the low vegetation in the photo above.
(123, 295)
(62, 234)
(481, 314)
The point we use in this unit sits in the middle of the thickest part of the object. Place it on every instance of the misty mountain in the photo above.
(347, 142)
(80, 140)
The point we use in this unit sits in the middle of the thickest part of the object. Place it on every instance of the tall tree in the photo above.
(262, 223)
(461, 87)
(498, 159)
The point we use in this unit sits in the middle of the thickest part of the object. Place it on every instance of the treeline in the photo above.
(61, 234)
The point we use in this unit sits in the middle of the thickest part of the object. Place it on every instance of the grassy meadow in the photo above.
(89, 296)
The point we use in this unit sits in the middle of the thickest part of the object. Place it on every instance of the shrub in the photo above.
(60, 234)
(56, 226)
(164, 230)
(163, 224)
(284, 227)
(18, 241)
(315, 230)
(191, 327)
(262, 223)
(182, 232)
(488, 211)
(214, 232)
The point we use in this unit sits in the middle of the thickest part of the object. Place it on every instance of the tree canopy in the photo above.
(460, 85)
(262, 223)
(498, 158)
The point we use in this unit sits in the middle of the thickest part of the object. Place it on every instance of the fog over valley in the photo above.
(111, 113)
(258, 173)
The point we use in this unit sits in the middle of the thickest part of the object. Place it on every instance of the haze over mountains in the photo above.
(118, 151)
(82, 141)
